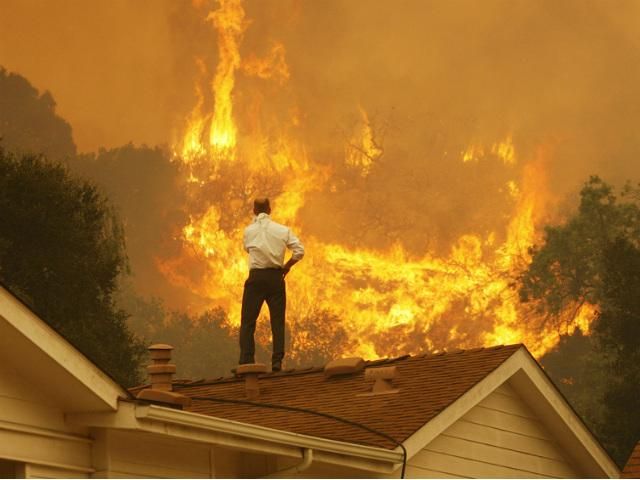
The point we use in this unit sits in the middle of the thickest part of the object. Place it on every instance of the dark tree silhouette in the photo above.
(618, 331)
(28, 120)
(62, 250)
(143, 184)
(568, 267)
(203, 347)
(595, 257)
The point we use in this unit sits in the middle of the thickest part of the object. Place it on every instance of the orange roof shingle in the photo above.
(427, 385)
(632, 468)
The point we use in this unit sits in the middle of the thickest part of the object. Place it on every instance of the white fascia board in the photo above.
(462, 405)
(230, 433)
(23, 320)
(196, 420)
(545, 399)
(528, 379)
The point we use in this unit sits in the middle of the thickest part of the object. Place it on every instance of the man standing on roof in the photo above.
(266, 241)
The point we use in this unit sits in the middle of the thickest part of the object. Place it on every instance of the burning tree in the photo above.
(384, 298)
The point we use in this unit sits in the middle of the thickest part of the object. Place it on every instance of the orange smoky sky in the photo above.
(429, 79)
(108, 64)
(124, 71)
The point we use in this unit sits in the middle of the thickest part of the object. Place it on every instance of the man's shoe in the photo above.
(276, 367)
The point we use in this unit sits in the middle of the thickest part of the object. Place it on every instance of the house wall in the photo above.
(33, 432)
(131, 454)
(499, 437)
(134, 454)
(127, 454)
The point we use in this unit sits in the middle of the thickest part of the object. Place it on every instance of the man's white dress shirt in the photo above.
(267, 241)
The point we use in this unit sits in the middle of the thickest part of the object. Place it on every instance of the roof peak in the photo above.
(320, 369)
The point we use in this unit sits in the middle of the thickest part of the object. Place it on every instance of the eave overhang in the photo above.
(38, 353)
(191, 426)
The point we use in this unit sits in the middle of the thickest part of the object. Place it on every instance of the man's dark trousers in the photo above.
(263, 285)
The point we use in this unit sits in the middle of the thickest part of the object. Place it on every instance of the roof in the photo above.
(427, 385)
(17, 297)
(632, 468)
(41, 356)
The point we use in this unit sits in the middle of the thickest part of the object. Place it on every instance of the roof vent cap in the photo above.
(383, 377)
(250, 372)
(343, 366)
(161, 377)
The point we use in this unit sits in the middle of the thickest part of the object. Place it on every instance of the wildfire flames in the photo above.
(343, 300)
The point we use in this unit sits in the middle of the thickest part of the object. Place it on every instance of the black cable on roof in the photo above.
(314, 412)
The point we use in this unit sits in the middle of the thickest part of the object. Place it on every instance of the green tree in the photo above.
(595, 257)
(62, 250)
(203, 347)
(28, 120)
(578, 367)
(618, 333)
(567, 269)
(144, 185)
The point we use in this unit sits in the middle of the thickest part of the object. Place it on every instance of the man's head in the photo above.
(261, 205)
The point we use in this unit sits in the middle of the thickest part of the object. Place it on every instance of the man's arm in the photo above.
(245, 240)
(297, 252)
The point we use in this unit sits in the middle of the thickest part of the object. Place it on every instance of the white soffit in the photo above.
(43, 357)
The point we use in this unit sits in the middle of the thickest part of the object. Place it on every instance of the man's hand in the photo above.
(287, 267)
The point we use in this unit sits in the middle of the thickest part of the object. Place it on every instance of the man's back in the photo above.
(267, 242)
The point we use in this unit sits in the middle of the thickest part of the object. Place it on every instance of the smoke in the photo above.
(562, 72)
(562, 75)
(471, 71)
(108, 64)
(123, 71)
(434, 77)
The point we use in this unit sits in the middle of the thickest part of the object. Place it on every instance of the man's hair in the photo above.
(261, 205)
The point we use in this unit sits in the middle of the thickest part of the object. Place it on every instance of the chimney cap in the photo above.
(251, 368)
(160, 352)
(160, 376)
(343, 366)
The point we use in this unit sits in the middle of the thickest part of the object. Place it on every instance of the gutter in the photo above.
(243, 436)
(257, 432)
(307, 459)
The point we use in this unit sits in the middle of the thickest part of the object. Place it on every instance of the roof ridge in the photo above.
(455, 351)
(317, 369)
(236, 378)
